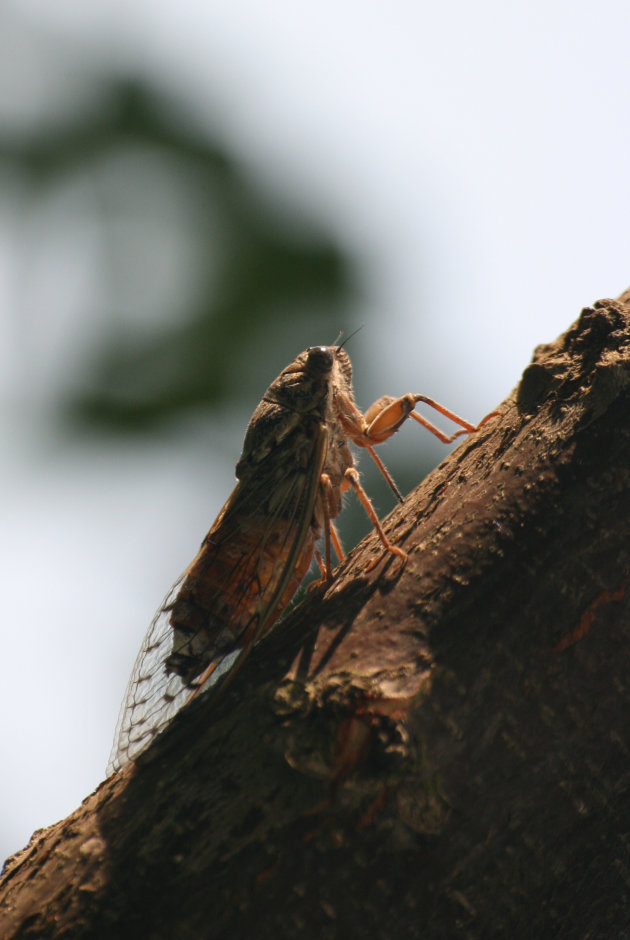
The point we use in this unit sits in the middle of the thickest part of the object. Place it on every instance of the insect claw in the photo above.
(493, 414)
(393, 550)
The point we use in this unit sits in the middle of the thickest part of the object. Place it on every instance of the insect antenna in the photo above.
(349, 336)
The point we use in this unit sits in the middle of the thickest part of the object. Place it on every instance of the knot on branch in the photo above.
(587, 365)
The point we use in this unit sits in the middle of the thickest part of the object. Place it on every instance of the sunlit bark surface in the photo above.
(441, 751)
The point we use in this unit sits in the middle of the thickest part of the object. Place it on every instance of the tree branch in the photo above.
(441, 751)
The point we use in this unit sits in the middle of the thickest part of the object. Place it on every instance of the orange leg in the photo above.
(380, 421)
(203, 678)
(467, 428)
(432, 428)
(336, 542)
(387, 415)
(381, 466)
(339, 552)
(331, 537)
(353, 477)
(322, 570)
(330, 532)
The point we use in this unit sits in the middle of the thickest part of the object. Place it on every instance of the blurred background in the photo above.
(190, 194)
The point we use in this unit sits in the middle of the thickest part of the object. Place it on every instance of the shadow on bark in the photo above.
(441, 752)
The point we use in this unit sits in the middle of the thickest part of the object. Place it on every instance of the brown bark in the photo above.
(440, 752)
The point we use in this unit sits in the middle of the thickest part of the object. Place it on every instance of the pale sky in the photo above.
(474, 157)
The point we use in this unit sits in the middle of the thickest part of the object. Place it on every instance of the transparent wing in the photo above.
(153, 695)
(251, 563)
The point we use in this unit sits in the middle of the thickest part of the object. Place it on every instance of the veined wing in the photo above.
(153, 696)
(246, 572)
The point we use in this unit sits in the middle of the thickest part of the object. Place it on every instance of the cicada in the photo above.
(295, 467)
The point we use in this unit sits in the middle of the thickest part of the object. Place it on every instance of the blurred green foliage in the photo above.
(259, 282)
(263, 286)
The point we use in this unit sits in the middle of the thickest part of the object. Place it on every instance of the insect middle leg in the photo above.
(352, 477)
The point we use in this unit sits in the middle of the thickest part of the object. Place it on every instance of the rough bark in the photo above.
(437, 752)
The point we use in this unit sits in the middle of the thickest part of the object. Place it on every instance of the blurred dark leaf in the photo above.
(259, 273)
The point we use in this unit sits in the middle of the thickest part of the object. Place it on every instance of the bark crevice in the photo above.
(441, 751)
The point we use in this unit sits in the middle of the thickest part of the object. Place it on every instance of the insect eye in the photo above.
(320, 359)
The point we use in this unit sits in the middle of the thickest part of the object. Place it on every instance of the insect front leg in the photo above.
(387, 414)
(356, 427)
(467, 428)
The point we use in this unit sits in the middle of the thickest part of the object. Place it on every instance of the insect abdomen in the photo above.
(226, 589)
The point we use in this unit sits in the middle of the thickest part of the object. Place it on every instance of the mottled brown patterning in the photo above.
(295, 466)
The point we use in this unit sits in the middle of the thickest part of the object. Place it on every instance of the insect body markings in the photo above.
(295, 466)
